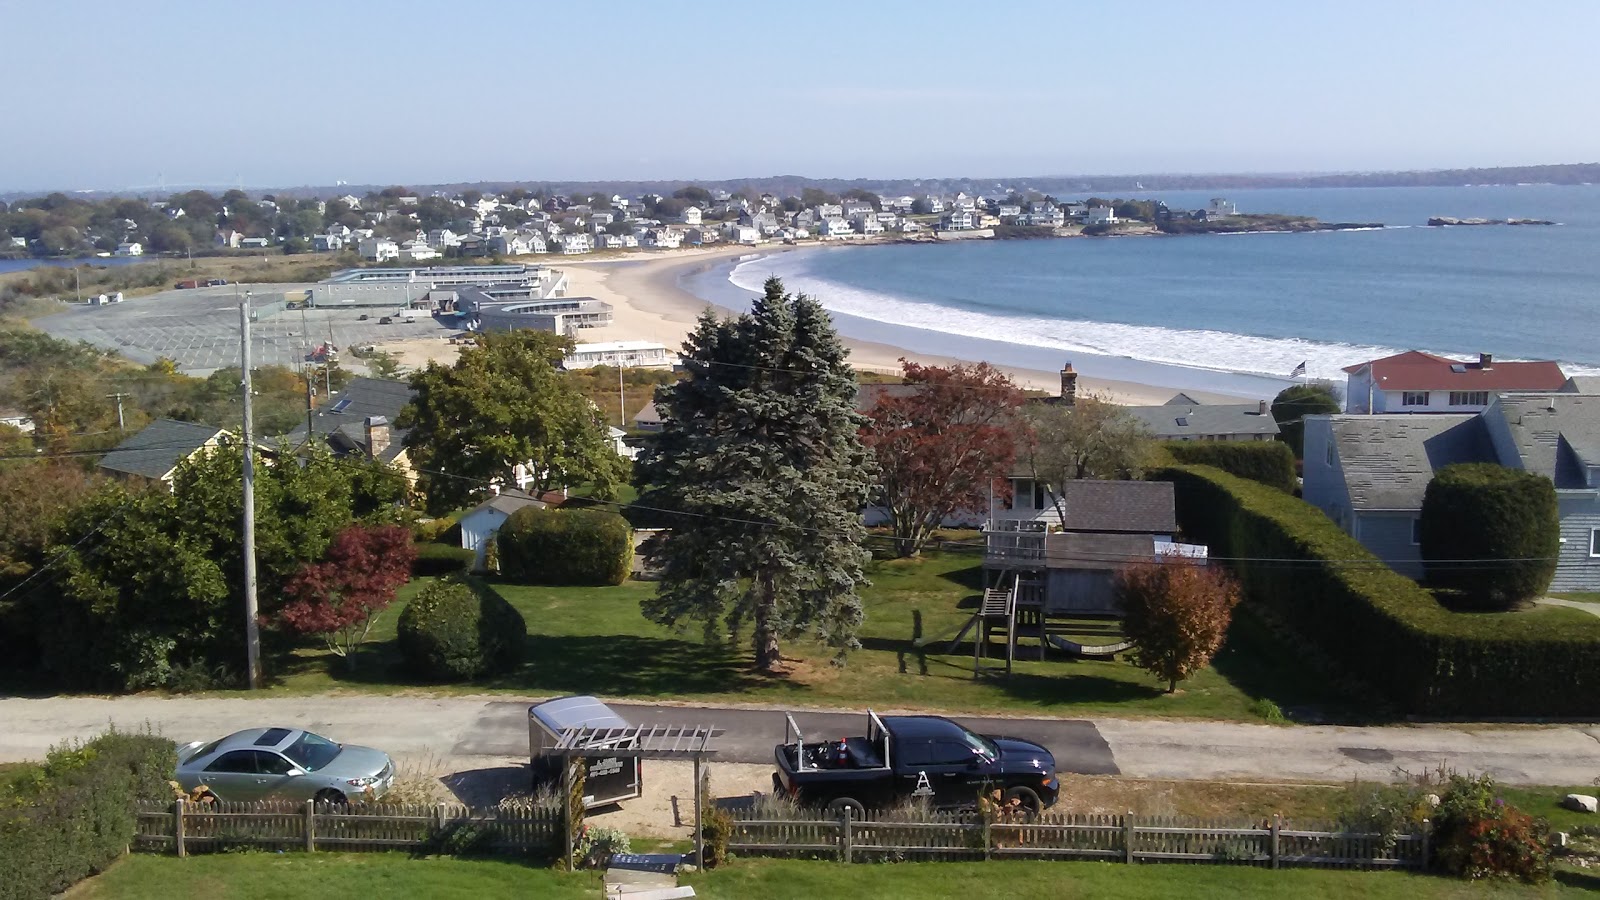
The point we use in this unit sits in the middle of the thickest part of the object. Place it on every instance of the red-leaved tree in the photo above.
(337, 598)
(940, 440)
(1176, 615)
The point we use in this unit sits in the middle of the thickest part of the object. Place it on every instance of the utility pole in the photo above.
(121, 425)
(77, 281)
(252, 629)
(622, 400)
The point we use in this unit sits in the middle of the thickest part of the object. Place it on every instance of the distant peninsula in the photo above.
(1449, 221)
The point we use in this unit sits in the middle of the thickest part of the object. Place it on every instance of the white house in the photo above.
(417, 251)
(576, 243)
(744, 234)
(255, 243)
(835, 228)
(130, 248)
(1418, 382)
(868, 225)
(619, 353)
(690, 216)
(326, 242)
(1100, 215)
(1219, 207)
(480, 525)
(379, 249)
(21, 421)
(957, 220)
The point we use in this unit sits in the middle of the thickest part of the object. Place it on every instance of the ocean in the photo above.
(1231, 313)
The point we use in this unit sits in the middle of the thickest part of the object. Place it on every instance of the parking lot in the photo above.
(199, 327)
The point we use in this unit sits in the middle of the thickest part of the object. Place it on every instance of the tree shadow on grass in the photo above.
(1258, 664)
(629, 665)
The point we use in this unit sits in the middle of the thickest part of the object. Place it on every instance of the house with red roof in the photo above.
(1418, 382)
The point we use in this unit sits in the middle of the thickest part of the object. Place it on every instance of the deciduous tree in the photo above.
(336, 598)
(939, 443)
(1176, 614)
(760, 466)
(1294, 403)
(1091, 438)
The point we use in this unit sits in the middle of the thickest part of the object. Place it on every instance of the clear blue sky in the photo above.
(113, 94)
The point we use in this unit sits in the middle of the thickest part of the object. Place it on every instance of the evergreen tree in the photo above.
(761, 469)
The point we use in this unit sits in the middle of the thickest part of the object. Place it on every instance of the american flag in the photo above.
(1298, 370)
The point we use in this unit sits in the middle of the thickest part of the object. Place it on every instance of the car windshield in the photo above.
(981, 745)
(311, 752)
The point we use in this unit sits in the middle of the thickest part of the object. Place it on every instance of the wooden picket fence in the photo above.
(185, 827)
(878, 836)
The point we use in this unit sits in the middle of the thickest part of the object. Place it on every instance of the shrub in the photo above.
(1479, 835)
(1176, 615)
(1268, 462)
(1293, 404)
(440, 560)
(454, 630)
(565, 546)
(77, 813)
(1298, 568)
(598, 844)
(1507, 517)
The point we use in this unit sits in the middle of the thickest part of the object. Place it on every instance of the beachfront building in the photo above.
(1418, 382)
(1100, 215)
(392, 286)
(958, 220)
(1220, 208)
(620, 353)
(690, 215)
(835, 228)
(575, 243)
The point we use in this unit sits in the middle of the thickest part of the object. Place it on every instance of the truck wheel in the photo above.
(840, 804)
(1027, 799)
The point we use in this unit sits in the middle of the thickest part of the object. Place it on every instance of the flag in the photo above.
(1298, 370)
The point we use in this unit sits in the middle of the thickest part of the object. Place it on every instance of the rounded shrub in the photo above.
(454, 631)
(1491, 533)
(565, 546)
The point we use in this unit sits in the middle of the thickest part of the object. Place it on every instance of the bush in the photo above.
(565, 546)
(454, 630)
(1269, 462)
(1482, 511)
(1298, 568)
(1293, 404)
(441, 560)
(1479, 835)
(77, 814)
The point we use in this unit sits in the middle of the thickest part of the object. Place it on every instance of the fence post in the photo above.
(1277, 825)
(1427, 843)
(1127, 837)
(988, 839)
(845, 851)
(311, 826)
(177, 827)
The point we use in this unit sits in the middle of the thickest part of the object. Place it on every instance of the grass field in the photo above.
(595, 640)
(385, 876)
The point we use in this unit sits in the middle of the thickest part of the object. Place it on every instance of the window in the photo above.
(950, 753)
(238, 761)
(311, 752)
(1414, 398)
(1416, 531)
(1594, 542)
(1469, 398)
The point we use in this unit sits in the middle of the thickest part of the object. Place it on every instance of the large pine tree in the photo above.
(763, 475)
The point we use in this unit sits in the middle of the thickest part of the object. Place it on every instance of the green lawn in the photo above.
(595, 640)
(381, 876)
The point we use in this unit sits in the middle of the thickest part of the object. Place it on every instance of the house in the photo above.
(482, 522)
(379, 249)
(1182, 419)
(744, 234)
(619, 443)
(1418, 382)
(662, 239)
(576, 243)
(1100, 215)
(698, 236)
(16, 418)
(647, 419)
(350, 200)
(849, 209)
(935, 204)
(1219, 208)
(255, 243)
(417, 251)
(358, 422)
(443, 238)
(868, 225)
(155, 452)
(326, 242)
(19, 242)
(130, 248)
(619, 353)
(228, 238)
(1368, 472)
(690, 215)
(829, 211)
(957, 220)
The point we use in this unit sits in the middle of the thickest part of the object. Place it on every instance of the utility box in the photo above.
(611, 778)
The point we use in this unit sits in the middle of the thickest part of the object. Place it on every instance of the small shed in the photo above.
(481, 523)
(610, 778)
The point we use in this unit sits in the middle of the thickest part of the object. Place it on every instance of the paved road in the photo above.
(460, 733)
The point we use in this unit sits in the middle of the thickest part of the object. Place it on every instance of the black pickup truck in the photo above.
(905, 758)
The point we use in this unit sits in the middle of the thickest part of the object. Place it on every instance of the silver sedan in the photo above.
(284, 764)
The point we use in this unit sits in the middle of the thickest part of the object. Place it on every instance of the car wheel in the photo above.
(1027, 799)
(840, 804)
(331, 797)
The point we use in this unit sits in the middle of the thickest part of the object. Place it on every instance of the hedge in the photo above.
(1269, 462)
(455, 630)
(1377, 625)
(441, 559)
(75, 815)
(565, 546)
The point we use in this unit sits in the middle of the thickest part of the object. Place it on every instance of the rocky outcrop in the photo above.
(1446, 221)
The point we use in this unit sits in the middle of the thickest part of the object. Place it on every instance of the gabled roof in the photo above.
(1182, 400)
(342, 421)
(1388, 460)
(1555, 435)
(1415, 370)
(1132, 507)
(508, 502)
(158, 448)
(1173, 422)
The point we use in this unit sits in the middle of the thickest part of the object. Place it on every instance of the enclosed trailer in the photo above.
(611, 778)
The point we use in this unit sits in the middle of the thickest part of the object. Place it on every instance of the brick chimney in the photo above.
(1069, 385)
(1485, 360)
(377, 435)
(1262, 409)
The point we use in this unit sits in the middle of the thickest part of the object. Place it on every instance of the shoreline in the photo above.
(650, 303)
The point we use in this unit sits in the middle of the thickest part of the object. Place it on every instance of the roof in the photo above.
(613, 346)
(867, 395)
(1182, 400)
(1415, 370)
(1137, 507)
(1582, 384)
(508, 502)
(1068, 550)
(158, 448)
(575, 712)
(1171, 421)
(1555, 435)
(1388, 460)
(342, 422)
(647, 414)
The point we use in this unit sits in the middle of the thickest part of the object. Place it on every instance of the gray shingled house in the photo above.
(359, 421)
(1184, 419)
(153, 454)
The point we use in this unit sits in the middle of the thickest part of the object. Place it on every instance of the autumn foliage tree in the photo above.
(938, 441)
(1176, 615)
(337, 598)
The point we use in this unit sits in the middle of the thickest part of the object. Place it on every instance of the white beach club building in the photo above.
(620, 353)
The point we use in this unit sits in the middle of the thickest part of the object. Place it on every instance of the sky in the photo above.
(117, 95)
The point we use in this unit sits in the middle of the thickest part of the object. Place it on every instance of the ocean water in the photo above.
(1233, 313)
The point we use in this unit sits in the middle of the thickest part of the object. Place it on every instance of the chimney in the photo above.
(377, 435)
(1069, 385)
(1485, 360)
(1262, 409)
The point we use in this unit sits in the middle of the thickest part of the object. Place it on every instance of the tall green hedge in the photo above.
(455, 630)
(565, 546)
(1378, 625)
(1507, 517)
(75, 815)
(1269, 462)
